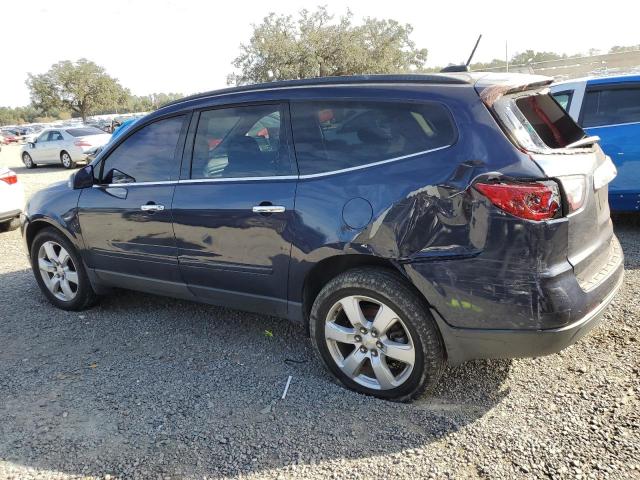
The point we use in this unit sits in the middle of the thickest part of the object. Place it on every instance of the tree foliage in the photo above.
(316, 44)
(619, 49)
(81, 87)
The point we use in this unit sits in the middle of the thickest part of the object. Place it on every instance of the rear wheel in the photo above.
(27, 160)
(375, 335)
(60, 272)
(66, 160)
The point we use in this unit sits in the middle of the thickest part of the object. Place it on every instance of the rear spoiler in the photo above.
(493, 86)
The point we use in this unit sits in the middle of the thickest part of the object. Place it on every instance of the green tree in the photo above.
(314, 45)
(619, 49)
(531, 56)
(81, 87)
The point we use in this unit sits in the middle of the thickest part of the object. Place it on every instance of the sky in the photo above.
(187, 46)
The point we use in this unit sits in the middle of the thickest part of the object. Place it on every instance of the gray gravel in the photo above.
(150, 387)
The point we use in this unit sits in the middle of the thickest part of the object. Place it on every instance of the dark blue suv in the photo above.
(407, 221)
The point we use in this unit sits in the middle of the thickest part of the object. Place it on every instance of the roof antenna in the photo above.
(465, 67)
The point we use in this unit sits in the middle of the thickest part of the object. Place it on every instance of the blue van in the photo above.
(609, 108)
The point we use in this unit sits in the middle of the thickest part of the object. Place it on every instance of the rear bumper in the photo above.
(464, 344)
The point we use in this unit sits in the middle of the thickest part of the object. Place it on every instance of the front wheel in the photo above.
(66, 160)
(27, 160)
(60, 272)
(375, 335)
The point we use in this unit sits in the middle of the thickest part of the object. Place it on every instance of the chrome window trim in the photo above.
(374, 164)
(615, 125)
(273, 177)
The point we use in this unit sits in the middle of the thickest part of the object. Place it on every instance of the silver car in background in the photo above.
(67, 146)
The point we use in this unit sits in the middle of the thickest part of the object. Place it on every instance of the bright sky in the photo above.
(187, 45)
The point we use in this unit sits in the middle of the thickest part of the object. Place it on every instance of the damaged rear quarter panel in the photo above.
(476, 265)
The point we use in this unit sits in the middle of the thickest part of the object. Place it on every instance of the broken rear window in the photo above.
(549, 120)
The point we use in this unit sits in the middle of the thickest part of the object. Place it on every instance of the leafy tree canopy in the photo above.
(316, 44)
(81, 87)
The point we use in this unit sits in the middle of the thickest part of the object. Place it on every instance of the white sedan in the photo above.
(11, 199)
(67, 146)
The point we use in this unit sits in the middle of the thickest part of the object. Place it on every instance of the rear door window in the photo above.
(238, 142)
(611, 106)
(336, 135)
(148, 155)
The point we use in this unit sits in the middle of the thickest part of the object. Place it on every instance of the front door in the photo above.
(39, 152)
(126, 218)
(232, 213)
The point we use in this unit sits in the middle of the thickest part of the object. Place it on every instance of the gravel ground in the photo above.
(149, 387)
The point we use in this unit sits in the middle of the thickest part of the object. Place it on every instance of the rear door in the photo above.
(126, 218)
(233, 208)
(612, 112)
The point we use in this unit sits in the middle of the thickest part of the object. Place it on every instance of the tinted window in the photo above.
(335, 135)
(564, 99)
(549, 121)
(146, 156)
(240, 142)
(54, 136)
(83, 132)
(611, 106)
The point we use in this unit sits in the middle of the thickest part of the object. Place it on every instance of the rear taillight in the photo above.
(9, 177)
(81, 143)
(532, 201)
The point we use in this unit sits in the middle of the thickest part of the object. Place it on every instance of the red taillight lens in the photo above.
(532, 201)
(81, 143)
(9, 177)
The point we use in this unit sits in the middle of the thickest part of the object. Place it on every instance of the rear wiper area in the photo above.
(584, 142)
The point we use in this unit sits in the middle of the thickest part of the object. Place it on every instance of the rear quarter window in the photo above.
(546, 119)
(336, 135)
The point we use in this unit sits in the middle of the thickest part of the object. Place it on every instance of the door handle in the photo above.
(151, 207)
(268, 209)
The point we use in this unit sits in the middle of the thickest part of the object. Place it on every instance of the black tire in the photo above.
(66, 161)
(28, 161)
(85, 296)
(10, 225)
(391, 289)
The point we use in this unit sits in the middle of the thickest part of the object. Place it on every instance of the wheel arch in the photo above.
(37, 225)
(327, 269)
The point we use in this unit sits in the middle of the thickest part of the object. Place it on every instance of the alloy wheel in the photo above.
(66, 160)
(369, 342)
(58, 271)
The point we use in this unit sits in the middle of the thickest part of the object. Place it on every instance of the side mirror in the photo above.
(83, 178)
(32, 144)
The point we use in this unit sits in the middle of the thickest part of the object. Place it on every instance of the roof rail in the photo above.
(435, 78)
